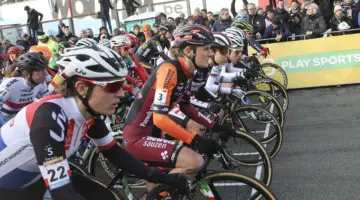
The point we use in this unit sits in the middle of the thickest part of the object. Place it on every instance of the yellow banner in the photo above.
(318, 62)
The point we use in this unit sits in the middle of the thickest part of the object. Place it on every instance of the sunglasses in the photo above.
(125, 48)
(107, 86)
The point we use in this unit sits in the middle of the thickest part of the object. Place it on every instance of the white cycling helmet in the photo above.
(120, 41)
(92, 62)
(105, 42)
(221, 40)
(86, 42)
(236, 36)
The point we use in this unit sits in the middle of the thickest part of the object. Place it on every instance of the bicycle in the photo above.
(204, 184)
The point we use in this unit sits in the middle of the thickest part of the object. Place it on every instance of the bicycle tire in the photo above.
(275, 89)
(76, 168)
(283, 80)
(271, 101)
(263, 160)
(277, 135)
(262, 190)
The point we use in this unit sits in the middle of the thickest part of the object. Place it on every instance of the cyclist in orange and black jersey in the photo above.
(164, 105)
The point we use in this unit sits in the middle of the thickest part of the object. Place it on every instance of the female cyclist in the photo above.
(36, 143)
(26, 82)
(153, 110)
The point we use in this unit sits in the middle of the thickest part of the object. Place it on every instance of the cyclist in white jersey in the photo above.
(223, 71)
(26, 84)
(35, 144)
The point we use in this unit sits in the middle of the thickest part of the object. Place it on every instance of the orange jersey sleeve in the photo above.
(166, 81)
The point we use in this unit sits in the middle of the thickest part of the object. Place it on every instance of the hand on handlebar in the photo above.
(205, 145)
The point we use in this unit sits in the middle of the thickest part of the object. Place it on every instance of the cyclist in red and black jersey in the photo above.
(164, 105)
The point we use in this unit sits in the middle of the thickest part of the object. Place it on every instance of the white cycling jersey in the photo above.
(38, 140)
(226, 73)
(15, 94)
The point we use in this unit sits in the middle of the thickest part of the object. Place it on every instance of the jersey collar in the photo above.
(188, 73)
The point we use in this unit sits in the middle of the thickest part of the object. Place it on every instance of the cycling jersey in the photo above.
(226, 73)
(15, 94)
(149, 50)
(168, 85)
(37, 141)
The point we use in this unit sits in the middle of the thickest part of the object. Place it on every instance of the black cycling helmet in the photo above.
(195, 35)
(30, 62)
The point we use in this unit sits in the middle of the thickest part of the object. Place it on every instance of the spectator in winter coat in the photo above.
(313, 25)
(33, 20)
(282, 12)
(269, 17)
(256, 20)
(352, 10)
(105, 6)
(338, 18)
(210, 19)
(198, 19)
(326, 8)
(278, 30)
(224, 22)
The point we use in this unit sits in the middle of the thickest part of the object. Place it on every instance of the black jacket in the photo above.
(258, 23)
(315, 24)
(105, 5)
(220, 26)
(334, 23)
(283, 13)
(283, 30)
(33, 19)
(326, 8)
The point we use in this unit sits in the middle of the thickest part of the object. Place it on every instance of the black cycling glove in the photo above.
(205, 145)
(224, 131)
(176, 181)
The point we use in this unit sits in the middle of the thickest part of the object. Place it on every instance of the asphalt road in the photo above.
(320, 155)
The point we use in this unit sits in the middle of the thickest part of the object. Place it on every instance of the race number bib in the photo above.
(160, 97)
(56, 173)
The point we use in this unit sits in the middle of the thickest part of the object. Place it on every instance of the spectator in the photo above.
(198, 19)
(139, 35)
(89, 33)
(5, 45)
(182, 15)
(359, 19)
(64, 33)
(339, 18)
(326, 8)
(179, 22)
(282, 12)
(278, 30)
(295, 24)
(190, 21)
(105, 6)
(224, 22)
(210, 19)
(260, 11)
(352, 11)
(313, 24)
(204, 16)
(33, 20)
(25, 41)
(257, 21)
(155, 28)
(103, 32)
(295, 9)
(83, 34)
(269, 18)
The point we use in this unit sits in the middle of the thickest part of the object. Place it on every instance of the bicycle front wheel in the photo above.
(275, 72)
(219, 186)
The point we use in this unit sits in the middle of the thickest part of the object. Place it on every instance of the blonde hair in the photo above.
(337, 7)
(176, 52)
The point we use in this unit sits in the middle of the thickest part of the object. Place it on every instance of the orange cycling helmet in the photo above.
(41, 49)
(145, 28)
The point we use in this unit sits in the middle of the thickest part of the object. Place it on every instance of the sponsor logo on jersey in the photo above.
(11, 83)
(146, 120)
(16, 153)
